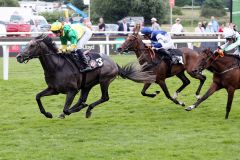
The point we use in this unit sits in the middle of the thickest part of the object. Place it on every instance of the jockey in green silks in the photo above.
(77, 35)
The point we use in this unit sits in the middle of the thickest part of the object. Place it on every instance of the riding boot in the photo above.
(83, 58)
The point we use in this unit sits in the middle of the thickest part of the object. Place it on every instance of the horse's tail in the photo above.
(135, 73)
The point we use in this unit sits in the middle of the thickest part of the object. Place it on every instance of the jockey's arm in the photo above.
(233, 45)
(165, 41)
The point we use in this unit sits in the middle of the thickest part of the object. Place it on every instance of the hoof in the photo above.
(48, 115)
(88, 114)
(66, 112)
(190, 108)
(61, 116)
(157, 92)
(182, 104)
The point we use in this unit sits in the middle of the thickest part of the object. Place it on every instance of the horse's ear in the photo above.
(137, 28)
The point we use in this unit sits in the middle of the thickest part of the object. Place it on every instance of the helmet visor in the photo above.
(56, 32)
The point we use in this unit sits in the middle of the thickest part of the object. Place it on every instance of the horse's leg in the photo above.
(145, 87)
(105, 97)
(80, 104)
(213, 88)
(229, 101)
(69, 99)
(185, 81)
(166, 92)
(202, 79)
(47, 92)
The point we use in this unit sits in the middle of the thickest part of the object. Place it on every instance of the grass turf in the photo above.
(127, 127)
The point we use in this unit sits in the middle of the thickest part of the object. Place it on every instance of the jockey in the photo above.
(232, 41)
(78, 35)
(161, 40)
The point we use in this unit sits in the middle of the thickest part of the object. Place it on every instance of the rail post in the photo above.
(5, 62)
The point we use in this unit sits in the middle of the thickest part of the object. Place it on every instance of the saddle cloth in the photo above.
(94, 60)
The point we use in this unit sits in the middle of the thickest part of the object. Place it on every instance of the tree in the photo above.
(113, 10)
(9, 3)
(213, 8)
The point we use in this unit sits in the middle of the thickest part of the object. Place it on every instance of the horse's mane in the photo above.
(49, 42)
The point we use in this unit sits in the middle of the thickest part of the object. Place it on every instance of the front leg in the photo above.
(47, 92)
(213, 88)
(69, 99)
(229, 101)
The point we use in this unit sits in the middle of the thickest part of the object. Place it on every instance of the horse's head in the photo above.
(206, 58)
(34, 49)
(130, 44)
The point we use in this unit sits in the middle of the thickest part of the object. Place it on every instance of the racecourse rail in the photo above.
(189, 38)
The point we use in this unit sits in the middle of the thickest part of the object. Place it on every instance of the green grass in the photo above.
(127, 127)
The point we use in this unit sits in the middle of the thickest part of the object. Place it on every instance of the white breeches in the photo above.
(84, 39)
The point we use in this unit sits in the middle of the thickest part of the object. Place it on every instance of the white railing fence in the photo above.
(5, 45)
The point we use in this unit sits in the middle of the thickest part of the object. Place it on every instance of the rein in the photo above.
(148, 48)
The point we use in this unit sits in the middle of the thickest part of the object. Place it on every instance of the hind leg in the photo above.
(145, 87)
(165, 90)
(105, 97)
(185, 81)
(202, 79)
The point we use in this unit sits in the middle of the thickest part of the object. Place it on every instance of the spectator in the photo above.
(214, 24)
(101, 25)
(177, 27)
(124, 26)
(199, 29)
(155, 25)
(221, 27)
(209, 28)
(204, 24)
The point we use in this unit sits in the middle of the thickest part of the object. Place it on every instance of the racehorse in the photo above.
(63, 76)
(226, 74)
(160, 67)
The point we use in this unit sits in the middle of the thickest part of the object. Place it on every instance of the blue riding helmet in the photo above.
(146, 30)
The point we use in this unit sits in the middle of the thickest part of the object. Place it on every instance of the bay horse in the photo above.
(226, 74)
(62, 76)
(160, 67)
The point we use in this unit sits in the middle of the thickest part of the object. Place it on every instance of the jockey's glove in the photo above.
(71, 48)
(62, 49)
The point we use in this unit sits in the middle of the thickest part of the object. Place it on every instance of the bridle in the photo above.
(234, 66)
(148, 48)
(27, 58)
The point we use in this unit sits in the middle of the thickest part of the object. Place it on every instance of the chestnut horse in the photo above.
(160, 67)
(226, 74)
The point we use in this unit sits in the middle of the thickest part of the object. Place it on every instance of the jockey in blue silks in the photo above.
(161, 41)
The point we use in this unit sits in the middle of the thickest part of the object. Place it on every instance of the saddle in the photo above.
(174, 56)
(94, 60)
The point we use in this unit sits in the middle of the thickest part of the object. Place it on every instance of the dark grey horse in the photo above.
(63, 76)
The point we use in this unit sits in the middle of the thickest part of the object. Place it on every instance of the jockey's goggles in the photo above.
(56, 32)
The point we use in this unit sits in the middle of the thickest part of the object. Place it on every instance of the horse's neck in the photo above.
(50, 62)
(222, 64)
(142, 53)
